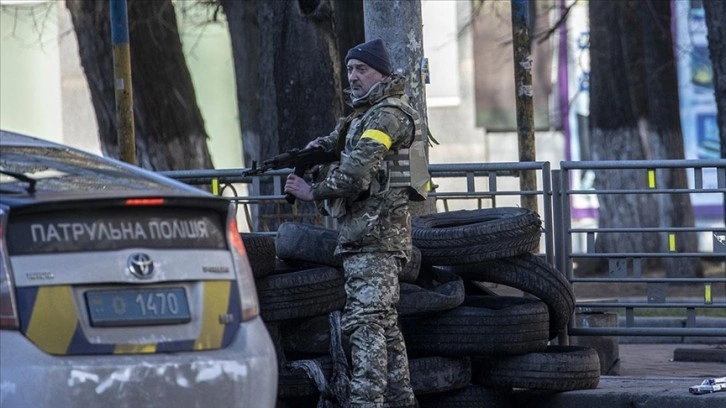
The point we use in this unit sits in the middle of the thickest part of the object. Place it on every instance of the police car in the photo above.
(120, 287)
(709, 385)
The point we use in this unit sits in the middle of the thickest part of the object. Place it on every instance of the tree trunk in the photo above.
(169, 127)
(287, 69)
(349, 26)
(638, 119)
(615, 133)
(91, 22)
(665, 135)
(398, 23)
(715, 10)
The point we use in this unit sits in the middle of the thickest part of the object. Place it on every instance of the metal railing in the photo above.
(495, 184)
(482, 185)
(630, 267)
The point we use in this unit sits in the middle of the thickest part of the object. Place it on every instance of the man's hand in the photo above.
(298, 187)
(312, 144)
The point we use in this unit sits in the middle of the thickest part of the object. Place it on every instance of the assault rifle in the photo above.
(300, 160)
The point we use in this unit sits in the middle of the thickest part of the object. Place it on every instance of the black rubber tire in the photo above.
(531, 274)
(306, 293)
(305, 401)
(558, 368)
(470, 236)
(470, 227)
(471, 396)
(296, 383)
(292, 266)
(444, 291)
(300, 244)
(474, 254)
(260, 250)
(486, 325)
(308, 243)
(438, 374)
(410, 272)
(310, 335)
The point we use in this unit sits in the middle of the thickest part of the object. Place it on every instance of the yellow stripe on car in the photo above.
(378, 136)
(216, 305)
(54, 320)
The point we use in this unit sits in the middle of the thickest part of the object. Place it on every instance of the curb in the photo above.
(700, 355)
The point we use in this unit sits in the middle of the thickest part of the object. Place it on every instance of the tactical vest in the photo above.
(407, 166)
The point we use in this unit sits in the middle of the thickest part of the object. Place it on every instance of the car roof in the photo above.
(94, 176)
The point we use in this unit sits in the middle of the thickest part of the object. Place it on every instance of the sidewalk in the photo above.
(649, 378)
(656, 360)
(628, 392)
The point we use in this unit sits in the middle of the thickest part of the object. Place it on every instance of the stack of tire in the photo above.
(467, 345)
(506, 337)
(300, 286)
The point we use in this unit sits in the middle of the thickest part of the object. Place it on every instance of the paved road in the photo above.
(630, 392)
(649, 378)
(656, 360)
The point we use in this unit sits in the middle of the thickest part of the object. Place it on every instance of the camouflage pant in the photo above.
(380, 365)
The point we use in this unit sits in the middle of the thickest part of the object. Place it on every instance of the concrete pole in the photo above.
(122, 81)
(525, 107)
(398, 23)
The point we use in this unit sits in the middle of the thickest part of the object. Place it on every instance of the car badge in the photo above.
(141, 266)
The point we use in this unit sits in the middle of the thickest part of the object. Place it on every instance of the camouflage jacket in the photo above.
(374, 216)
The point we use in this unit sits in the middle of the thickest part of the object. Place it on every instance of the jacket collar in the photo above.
(392, 85)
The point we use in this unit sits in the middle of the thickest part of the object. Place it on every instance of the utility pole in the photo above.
(399, 24)
(522, 46)
(122, 80)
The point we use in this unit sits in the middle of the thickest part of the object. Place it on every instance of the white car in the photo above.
(709, 385)
(122, 288)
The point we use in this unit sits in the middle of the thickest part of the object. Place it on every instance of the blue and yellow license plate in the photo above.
(114, 308)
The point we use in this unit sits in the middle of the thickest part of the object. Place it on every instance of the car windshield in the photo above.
(66, 170)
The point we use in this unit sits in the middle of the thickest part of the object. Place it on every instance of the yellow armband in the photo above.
(378, 136)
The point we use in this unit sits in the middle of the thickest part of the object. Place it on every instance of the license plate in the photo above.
(111, 308)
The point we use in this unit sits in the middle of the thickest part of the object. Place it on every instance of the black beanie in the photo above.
(374, 54)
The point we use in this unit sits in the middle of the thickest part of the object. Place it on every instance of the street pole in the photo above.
(122, 81)
(523, 87)
(399, 24)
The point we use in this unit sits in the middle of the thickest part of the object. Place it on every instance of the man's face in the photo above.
(361, 77)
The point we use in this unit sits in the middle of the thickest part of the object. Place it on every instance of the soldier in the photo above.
(368, 192)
